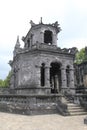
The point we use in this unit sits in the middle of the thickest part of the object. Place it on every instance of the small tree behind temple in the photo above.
(81, 56)
(6, 82)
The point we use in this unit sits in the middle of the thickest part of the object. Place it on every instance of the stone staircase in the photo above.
(75, 109)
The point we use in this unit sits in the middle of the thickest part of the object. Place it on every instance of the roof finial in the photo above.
(17, 47)
(17, 39)
(17, 43)
(32, 23)
(41, 20)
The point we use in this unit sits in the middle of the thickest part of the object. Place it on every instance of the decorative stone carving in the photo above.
(73, 50)
(56, 25)
(32, 23)
(17, 48)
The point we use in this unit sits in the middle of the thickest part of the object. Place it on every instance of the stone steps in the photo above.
(78, 113)
(74, 109)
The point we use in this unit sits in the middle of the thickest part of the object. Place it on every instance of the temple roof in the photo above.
(54, 25)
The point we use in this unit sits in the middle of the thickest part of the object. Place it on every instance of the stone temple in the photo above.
(44, 76)
(41, 67)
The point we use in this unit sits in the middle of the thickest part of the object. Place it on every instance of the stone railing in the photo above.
(62, 108)
(4, 90)
(54, 47)
(81, 90)
(49, 47)
(29, 104)
(78, 98)
(83, 101)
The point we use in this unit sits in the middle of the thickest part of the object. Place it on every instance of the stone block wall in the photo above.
(28, 68)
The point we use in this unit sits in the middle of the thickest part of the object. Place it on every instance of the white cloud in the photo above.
(81, 5)
(4, 66)
(79, 43)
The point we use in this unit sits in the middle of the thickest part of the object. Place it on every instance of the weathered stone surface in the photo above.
(4, 90)
(29, 105)
(40, 47)
(40, 72)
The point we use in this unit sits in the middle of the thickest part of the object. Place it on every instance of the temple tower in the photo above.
(41, 67)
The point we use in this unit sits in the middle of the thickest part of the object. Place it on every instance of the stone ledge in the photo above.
(31, 95)
(32, 88)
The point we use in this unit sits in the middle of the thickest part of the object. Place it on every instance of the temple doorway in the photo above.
(55, 77)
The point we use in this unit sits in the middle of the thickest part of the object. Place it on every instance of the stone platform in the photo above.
(30, 104)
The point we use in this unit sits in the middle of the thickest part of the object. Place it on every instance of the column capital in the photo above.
(62, 68)
(71, 69)
(47, 66)
(42, 32)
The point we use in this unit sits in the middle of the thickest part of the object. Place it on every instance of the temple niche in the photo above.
(41, 66)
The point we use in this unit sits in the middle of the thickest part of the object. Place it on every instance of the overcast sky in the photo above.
(15, 16)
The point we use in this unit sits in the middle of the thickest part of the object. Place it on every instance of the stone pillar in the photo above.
(54, 39)
(47, 76)
(72, 85)
(12, 81)
(79, 76)
(38, 76)
(52, 85)
(63, 79)
(56, 84)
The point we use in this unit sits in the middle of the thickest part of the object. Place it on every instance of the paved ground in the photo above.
(41, 122)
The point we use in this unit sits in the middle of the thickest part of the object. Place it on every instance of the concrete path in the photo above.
(41, 122)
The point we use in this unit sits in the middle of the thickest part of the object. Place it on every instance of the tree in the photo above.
(2, 83)
(81, 56)
(6, 82)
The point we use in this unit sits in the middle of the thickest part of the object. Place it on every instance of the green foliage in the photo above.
(81, 56)
(2, 83)
(6, 82)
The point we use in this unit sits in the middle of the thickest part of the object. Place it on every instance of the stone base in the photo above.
(29, 104)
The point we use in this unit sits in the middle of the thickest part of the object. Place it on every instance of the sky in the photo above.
(15, 16)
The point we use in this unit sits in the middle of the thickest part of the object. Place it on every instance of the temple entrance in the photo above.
(55, 77)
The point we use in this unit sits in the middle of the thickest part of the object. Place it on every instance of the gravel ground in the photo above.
(41, 122)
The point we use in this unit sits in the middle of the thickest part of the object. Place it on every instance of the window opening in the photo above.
(68, 75)
(28, 42)
(43, 74)
(48, 37)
